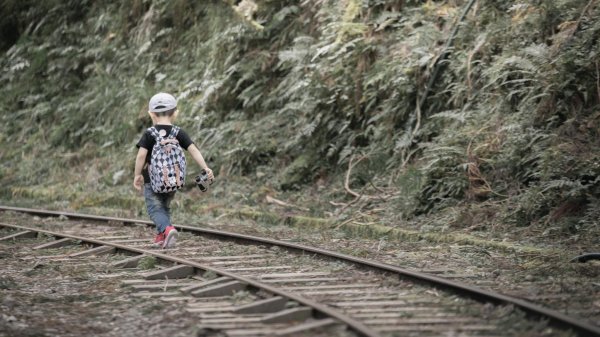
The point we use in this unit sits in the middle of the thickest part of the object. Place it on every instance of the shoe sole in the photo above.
(170, 239)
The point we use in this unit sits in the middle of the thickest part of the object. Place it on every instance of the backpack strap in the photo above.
(174, 132)
(154, 133)
(159, 139)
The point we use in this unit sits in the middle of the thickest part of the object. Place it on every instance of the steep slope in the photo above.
(507, 132)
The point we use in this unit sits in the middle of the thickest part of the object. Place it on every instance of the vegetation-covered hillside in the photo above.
(367, 104)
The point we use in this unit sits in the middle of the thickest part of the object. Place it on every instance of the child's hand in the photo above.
(138, 182)
(210, 173)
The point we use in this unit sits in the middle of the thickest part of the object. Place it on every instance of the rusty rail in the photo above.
(555, 318)
(353, 324)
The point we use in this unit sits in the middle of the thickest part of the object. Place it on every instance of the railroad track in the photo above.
(266, 287)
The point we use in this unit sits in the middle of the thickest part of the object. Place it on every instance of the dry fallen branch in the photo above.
(478, 185)
(572, 27)
(406, 157)
(383, 196)
(347, 180)
(272, 200)
(357, 199)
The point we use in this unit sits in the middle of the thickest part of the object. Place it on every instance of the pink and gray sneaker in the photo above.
(159, 239)
(170, 236)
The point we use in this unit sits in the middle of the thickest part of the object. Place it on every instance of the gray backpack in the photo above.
(167, 162)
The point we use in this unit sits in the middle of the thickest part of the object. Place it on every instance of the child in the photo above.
(163, 111)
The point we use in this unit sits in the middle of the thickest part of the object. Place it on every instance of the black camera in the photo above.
(203, 181)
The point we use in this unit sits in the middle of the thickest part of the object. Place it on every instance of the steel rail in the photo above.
(354, 325)
(555, 318)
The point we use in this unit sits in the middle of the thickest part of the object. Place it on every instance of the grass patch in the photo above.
(8, 283)
(378, 231)
(147, 262)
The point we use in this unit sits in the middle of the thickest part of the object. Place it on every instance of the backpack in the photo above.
(167, 162)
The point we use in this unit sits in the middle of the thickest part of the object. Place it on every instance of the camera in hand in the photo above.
(203, 181)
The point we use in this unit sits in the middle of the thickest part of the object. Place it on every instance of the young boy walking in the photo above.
(163, 111)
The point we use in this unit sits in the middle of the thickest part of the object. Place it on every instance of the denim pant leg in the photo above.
(157, 205)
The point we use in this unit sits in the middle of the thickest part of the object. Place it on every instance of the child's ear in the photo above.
(152, 116)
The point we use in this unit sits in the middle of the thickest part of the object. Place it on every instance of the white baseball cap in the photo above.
(162, 102)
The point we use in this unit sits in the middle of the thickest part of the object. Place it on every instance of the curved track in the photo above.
(464, 290)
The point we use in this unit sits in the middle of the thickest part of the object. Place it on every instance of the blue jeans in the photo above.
(157, 205)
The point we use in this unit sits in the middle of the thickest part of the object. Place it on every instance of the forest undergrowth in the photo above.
(364, 115)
